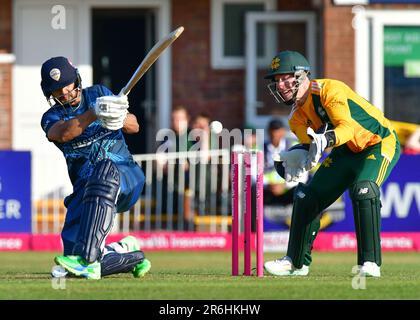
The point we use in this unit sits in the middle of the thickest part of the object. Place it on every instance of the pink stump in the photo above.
(260, 214)
(247, 214)
(235, 214)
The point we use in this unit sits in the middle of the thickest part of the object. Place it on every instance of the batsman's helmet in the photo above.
(288, 62)
(56, 73)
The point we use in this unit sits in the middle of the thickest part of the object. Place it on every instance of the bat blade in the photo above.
(150, 58)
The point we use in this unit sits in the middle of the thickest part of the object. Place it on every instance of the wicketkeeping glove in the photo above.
(319, 142)
(293, 161)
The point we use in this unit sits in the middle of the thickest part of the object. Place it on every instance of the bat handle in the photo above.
(122, 92)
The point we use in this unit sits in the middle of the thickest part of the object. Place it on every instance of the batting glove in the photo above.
(111, 107)
(114, 123)
(111, 111)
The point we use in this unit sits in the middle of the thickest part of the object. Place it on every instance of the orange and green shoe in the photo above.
(77, 266)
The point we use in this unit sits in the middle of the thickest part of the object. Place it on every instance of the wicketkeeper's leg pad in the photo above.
(304, 225)
(367, 219)
(99, 208)
(314, 227)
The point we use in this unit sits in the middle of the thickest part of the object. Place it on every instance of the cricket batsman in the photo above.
(87, 125)
(326, 113)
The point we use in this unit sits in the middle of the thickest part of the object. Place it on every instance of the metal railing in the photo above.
(183, 191)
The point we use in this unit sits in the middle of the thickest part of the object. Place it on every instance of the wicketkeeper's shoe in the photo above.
(370, 269)
(284, 267)
(141, 268)
(78, 267)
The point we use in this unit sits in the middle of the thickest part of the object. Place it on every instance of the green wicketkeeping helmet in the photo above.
(287, 62)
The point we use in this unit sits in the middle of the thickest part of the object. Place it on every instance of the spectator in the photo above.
(201, 123)
(250, 137)
(203, 195)
(176, 140)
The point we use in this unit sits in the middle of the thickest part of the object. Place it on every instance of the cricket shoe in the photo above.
(284, 267)
(126, 244)
(141, 268)
(370, 269)
(77, 266)
(131, 243)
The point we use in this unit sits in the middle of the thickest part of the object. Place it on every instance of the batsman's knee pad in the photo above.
(114, 262)
(99, 208)
(365, 196)
(305, 225)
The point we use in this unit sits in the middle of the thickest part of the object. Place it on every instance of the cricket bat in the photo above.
(150, 58)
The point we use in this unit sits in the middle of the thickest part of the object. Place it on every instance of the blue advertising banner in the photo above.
(15, 191)
(400, 198)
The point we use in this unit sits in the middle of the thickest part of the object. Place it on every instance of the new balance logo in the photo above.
(371, 157)
(363, 190)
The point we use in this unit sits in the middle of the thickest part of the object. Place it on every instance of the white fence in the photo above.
(183, 191)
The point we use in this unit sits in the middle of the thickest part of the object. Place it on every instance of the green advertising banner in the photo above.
(401, 44)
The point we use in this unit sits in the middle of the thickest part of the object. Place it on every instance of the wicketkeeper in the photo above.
(87, 125)
(365, 148)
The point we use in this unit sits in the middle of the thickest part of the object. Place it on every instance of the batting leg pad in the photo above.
(115, 262)
(367, 219)
(304, 226)
(99, 210)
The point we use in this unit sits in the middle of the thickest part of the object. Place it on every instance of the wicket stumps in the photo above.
(242, 162)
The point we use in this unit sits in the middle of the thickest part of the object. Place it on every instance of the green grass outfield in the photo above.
(206, 275)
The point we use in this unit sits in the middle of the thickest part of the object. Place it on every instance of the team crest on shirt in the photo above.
(275, 63)
(327, 162)
(55, 74)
